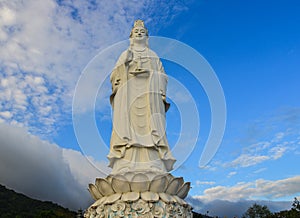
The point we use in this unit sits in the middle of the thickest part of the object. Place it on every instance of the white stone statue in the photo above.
(138, 140)
(139, 185)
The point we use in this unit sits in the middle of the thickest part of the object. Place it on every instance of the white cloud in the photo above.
(5, 114)
(84, 169)
(45, 45)
(260, 170)
(279, 136)
(252, 190)
(274, 137)
(231, 174)
(30, 101)
(43, 170)
(7, 16)
(279, 150)
(246, 160)
(205, 182)
(260, 152)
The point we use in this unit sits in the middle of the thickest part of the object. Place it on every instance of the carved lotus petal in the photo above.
(102, 200)
(149, 196)
(139, 183)
(97, 203)
(159, 184)
(108, 178)
(129, 175)
(174, 185)
(104, 187)
(130, 196)
(179, 200)
(113, 198)
(94, 192)
(184, 190)
(169, 177)
(120, 184)
(151, 174)
(167, 198)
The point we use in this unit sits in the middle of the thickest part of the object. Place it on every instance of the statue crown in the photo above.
(139, 23)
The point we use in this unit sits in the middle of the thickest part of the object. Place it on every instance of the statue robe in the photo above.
(138, 140)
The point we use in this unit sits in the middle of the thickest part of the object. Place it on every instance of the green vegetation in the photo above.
(292, 213)
(14, 205)
(197, 215)
(258, 211)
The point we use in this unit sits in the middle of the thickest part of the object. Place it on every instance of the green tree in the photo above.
(296, 204)
(257, 211)
(294, 212)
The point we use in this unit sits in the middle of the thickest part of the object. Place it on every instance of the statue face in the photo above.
(139, 33)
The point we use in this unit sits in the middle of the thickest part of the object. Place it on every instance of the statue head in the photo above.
(139, 33)
(137, 28)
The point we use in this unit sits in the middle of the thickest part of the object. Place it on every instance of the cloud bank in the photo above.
(43, 170)
(253, 190)
(234, 200)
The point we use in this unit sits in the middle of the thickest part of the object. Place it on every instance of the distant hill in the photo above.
(15, 205)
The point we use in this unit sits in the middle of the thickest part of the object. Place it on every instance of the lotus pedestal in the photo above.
(139, 195)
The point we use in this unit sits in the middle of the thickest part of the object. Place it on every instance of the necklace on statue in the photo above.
(139, 49)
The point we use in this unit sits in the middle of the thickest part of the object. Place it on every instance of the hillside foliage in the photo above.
(258, 211)
(17, 205)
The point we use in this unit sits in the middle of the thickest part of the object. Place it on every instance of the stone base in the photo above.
(136, 194)
(139, 208)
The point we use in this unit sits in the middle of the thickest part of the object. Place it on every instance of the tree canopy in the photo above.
(257, 211)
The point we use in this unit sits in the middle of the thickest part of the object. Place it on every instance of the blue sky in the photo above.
(253, 47)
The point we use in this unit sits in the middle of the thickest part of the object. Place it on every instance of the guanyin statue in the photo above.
(138, 140)
(140, 184)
